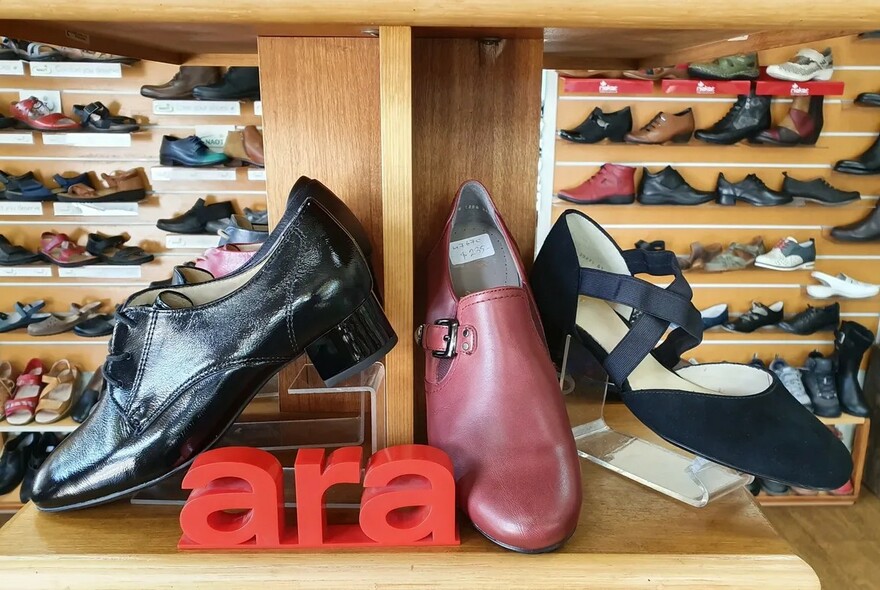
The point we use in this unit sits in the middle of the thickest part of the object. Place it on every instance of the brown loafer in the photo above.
(664, 127)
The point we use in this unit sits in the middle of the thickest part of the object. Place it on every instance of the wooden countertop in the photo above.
(628, 537)
(644, 14)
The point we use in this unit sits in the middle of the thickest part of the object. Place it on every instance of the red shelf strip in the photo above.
(706, 87)
(782, 88)
(610, 86)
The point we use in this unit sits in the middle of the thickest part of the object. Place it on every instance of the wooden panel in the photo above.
(624, 527)
(395, 77)
(321, 119)
(476, 111)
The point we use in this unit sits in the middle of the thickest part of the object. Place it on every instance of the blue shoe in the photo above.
(714, 316)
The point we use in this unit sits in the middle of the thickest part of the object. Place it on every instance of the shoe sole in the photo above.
(520, 549)
(804, 266)
(361, 366)
(858, 172)
(819, 76)
(612, 200)
(804, 200)
(669, 200)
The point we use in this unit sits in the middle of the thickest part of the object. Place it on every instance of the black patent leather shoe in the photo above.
(13, 461)
(812, 320)
(735, 415)
(185, 361)
(598, 126)
(751, 190)
(748, 116)
(239, 83)
(195, 220)
(668, 187)
(817, 190)
(867, 163)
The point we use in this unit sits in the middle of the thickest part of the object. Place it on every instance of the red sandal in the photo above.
(61, 250)
(34, 113)
(21, 408)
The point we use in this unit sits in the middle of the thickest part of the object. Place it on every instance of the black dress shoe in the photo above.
(867, 163)
(867, 229)
(851, 342)
(88, 398)
(813, 319)
(818, 378)
(96, 326)
(759, 316)
(44, 444)
(194, 220)
(185, 362)
(188, 151)
(185, 274)
(817, 190)
(667, 187)
(750, 189)
(598, 126)
(749, 116)
(239, 83)
(869, 99)
(13, 462)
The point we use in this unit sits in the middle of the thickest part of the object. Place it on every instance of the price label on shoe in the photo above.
(71, 69)
(20, 208)
(96, 209)
(191, 241)
(101, 272)
(257, 174)
(197, 107)
(25, 271)
(214, 136)
(16, 138)
(50, 98)
(171, 173)
(11, 68)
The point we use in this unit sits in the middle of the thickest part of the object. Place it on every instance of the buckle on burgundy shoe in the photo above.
(450, 339)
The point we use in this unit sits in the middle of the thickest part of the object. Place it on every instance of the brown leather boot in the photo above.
(801, 125)
(665, 127)
(183, 82)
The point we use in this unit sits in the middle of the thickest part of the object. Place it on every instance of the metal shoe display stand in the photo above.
(689, 479)
(282, 435)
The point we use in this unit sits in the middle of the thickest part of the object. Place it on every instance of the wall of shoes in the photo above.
(111, 175)
(743, 167)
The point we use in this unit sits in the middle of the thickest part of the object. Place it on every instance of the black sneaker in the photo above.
(667, 187)
(818, 378)
(813, 319)
(817, 190)
(758, 317)
(598, 126)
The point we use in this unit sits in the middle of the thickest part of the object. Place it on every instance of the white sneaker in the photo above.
(788, 254)
(840, 286)
(806, 65)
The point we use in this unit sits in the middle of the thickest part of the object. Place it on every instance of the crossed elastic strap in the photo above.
(660, 307)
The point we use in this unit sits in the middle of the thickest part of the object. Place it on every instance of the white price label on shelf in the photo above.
(258, 108)
(17, 138)
(101, 272)
(96, 209)
(170, 173)
(214, 136)
(25, 271)
(197, 107)
(50, 98)
(191, 241)
(72, 69)
(256, 174)
(88, 139)
(20, 208)
(12, 67)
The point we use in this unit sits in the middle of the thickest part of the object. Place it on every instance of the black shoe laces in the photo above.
(116, 356)
(734, 110)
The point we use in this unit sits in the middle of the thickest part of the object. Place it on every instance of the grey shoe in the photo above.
(789, 254)
(818, 378)
(791, 379)
(58, 323)
(737, 256)
(260, 216)
(242, 231)
(217, 225)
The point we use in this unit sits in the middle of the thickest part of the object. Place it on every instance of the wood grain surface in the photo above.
(628, 537)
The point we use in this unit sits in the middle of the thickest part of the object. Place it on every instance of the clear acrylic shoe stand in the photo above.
(692, 480)
(262, 426)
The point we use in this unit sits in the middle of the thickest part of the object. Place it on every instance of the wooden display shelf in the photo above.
(791, 499)
(628, 537)
(842, 419)
(64, 425)
(10, 502)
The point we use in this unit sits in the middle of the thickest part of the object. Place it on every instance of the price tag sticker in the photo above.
(25, 271)
(471, 249)
(20, 208)
(191, 241)
(71, 69)
(256, 174)
(197, 107)
(96, 209)
(171, 173)
(17, 138)
(258, 108)
(12, 67)
(101, 272)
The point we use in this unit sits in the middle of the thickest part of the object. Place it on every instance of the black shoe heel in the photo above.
(163, 161)
(726, 200)
(354, 344)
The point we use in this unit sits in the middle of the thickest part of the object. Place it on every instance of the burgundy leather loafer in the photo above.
(493, 398)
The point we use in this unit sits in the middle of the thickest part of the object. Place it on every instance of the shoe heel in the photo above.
(354, 344)
(683, 138)
(726, 200)
(165, 161)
